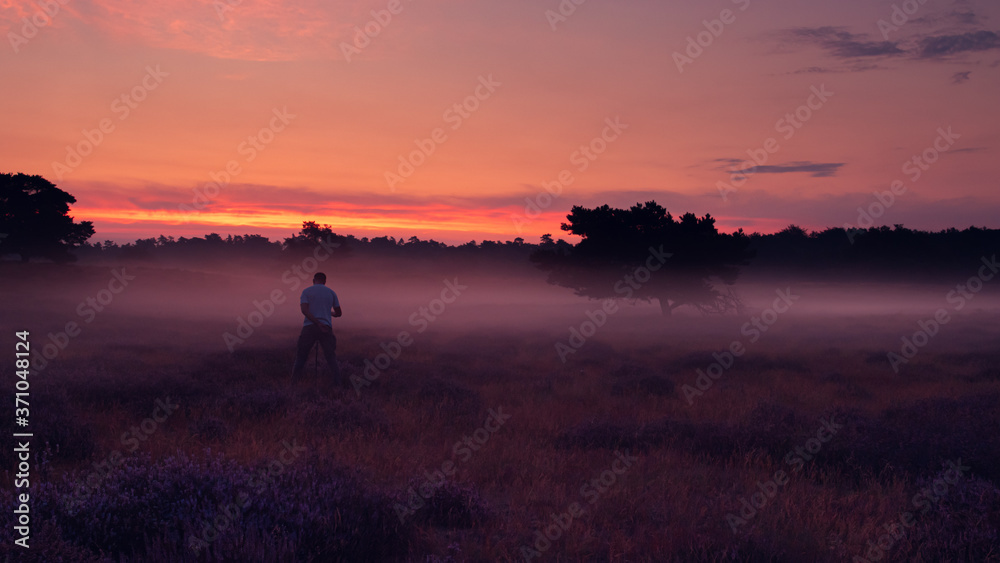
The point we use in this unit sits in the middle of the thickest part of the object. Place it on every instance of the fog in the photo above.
(196, 305)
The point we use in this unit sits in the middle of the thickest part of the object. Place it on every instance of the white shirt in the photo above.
(321, 300)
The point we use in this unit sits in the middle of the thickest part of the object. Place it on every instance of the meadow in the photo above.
(786, 438)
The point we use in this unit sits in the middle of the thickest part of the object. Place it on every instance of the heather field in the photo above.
(786, 433)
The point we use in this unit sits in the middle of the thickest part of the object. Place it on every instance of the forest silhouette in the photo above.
(702, 267)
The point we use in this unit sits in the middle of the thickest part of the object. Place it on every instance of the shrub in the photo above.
(210, 429)
(962, 526)
(450, 506)
(217, 510)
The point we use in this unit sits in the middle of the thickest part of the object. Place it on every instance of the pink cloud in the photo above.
(260, 30)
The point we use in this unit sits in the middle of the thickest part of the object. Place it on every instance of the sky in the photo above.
(472, 120)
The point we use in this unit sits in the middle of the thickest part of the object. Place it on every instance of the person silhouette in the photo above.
(319, 305)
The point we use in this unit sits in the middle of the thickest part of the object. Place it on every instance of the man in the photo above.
(317, 302)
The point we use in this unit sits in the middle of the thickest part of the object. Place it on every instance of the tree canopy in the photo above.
(619, 244)
(35, 221)
(313, 235)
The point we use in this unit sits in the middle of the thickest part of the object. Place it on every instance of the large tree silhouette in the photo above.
(621, 246)
(34, 220)
(313, 235)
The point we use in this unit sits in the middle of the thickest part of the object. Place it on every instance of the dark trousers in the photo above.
(311, 334)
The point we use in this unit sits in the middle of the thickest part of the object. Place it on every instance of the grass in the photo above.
(221, 466)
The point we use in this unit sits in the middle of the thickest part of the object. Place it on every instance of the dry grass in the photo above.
(621, 391)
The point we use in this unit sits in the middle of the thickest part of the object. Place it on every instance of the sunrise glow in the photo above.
(461, 121)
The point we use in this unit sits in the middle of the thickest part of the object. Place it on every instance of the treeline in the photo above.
(894, 251)
(214, 246)
(877, 250)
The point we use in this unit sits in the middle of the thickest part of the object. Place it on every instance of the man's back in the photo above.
(321, 301)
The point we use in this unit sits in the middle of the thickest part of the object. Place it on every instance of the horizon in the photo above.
(566, 237)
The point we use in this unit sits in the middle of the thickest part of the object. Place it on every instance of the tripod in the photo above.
(313, 337)
(317, 346)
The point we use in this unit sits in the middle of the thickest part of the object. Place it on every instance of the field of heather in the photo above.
(489, 417)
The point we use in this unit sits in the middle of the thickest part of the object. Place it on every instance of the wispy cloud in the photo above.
(262, 30)
(842, 44)
(960, 77)
(958, 17)
(945, 45)
(814, 169)
(933, 37)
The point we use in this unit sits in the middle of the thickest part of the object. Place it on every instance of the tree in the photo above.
(623, 254)
(34, 219)
(313, 235)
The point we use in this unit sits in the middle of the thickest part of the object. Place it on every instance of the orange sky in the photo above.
(309, 117)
